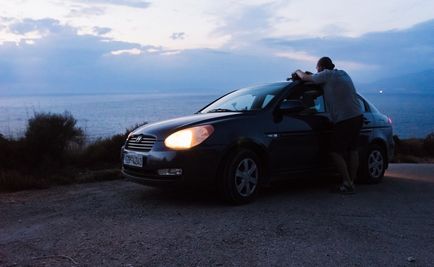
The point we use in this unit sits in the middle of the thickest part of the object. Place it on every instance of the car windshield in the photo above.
(246, 99)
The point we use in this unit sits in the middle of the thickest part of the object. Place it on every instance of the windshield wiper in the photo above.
(221, 110)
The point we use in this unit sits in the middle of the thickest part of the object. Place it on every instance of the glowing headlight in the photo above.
(189, 137)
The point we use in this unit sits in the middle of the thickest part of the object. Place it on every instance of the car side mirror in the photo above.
(291, 106)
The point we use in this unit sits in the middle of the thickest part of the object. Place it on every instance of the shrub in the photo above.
(10, 151)
(105, 152)
(414, 150)
(4, 148)
(411, 146)
(48, 136)
(428, 144)
(53, 152)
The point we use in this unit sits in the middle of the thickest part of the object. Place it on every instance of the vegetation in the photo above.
(414, 150)
(53, 151)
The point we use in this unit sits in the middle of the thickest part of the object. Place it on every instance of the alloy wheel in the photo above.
(375, 163)
(246, 177)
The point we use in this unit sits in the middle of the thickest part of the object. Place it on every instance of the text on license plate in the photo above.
(133, 159)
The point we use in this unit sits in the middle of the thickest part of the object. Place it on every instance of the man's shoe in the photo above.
(343, 189)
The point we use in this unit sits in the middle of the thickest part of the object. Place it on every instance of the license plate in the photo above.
(133, 159)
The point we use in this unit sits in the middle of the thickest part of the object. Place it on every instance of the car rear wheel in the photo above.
(373, 165)
(241, 177)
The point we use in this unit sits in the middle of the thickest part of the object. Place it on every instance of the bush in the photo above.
(411, 146)
(52, 151)
(414, 150)
(4, 148)
(47, 138)
(10, 153)
(428, 144)
(103, 152)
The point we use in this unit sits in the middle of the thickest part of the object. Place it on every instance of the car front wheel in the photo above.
(241, 177)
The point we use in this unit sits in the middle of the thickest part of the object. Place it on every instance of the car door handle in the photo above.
(273, 135)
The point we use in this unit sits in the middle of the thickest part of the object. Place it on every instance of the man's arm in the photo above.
(304, 76)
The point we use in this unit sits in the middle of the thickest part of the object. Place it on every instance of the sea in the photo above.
(103, 115)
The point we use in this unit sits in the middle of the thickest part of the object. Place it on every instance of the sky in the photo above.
(97, 46)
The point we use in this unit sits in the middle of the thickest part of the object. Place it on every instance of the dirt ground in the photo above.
(119, 223)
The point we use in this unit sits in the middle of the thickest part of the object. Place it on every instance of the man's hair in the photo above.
(326, 63)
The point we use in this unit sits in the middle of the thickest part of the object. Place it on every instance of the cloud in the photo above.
(101, 30)
(129, 3)
(177, 36)
(170, 53)
(27, 30)
(371, 55)
(223, 24)
(351, 18)
(86, 11)
(298, 56)
(31, 25)
(132, 51)
(63, 61)
(302, 56)
(246, 25)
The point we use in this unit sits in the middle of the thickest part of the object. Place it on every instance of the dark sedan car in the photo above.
(251, 137)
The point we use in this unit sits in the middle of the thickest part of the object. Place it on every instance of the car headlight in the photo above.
(188, 138)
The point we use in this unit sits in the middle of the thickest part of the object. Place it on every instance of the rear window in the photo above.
(367, 107)
(362, 105)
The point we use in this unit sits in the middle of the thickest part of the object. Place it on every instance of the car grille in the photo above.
(140, 143)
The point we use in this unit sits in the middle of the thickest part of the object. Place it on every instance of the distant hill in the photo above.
(417, 83)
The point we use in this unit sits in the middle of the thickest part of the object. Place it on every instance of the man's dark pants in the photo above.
(344, 142)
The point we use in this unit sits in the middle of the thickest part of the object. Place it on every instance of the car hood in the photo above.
(164, 128)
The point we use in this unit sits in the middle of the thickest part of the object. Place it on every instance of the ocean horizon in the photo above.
(104, 115)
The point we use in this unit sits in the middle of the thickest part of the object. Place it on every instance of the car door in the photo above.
(368, 124)
(299, 140)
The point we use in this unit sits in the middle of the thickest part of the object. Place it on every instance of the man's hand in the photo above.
(304, 76)
(294, 77)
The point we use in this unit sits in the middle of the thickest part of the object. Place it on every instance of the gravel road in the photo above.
(119, 223)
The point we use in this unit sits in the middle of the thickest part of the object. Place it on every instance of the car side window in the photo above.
(267, 100)
(312, 99)
(319, 104)
(365, 107)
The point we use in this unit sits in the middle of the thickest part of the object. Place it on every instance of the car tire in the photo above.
(241, 177)
(372, 165)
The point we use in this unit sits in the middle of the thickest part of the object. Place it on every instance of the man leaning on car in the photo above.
(346, 116)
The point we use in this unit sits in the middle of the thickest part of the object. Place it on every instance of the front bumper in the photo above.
(199, 166)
